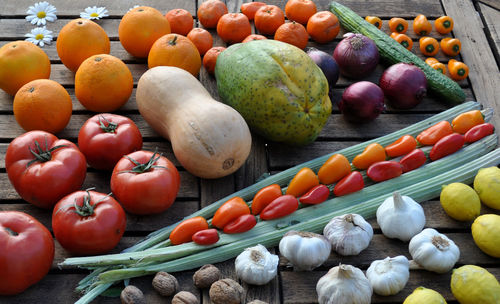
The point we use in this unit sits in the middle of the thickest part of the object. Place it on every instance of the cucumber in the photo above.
(393, 52)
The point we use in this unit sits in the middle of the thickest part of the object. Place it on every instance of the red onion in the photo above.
(326, 63)
(362, 102)
(404, 85)
(356, 55)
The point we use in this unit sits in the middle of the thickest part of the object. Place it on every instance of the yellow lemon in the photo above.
(487, 185)
(486, 234)
(460, 202)
(424, 295)
(474, 285)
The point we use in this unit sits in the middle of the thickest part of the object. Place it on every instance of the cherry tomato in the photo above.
(145, 182)
(241, 224)
(431, 135)
(349, 184)
(316, 195)
(478, 132)
(371, 154)
(184, 232)
(465, 121)
(384, 170)
(43, 169)
(105, 138)
(264, 197)
(446, 146)
(229, 211)
(27, 251)
(304, 180)
(336, 167)
(88, 222)
(206, 237)
(404, 145)
(413, 160)
(280, 207)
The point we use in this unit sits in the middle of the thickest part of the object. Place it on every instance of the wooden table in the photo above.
(476, 24)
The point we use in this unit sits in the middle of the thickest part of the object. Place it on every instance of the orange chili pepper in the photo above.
(434, 133)
(421, 26)
(443, 24)
(403, 39)
(374, 20)
(183, 232)
(450, 46)
(334, 169)
(436, 65)
(429, 46)
(264, 197)
(371, 154)
(398, 25)
(404, 145)
(229, 211)
(465, 121)
(458, 70)
(302, 182)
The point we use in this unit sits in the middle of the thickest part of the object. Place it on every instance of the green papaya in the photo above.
(277, 88)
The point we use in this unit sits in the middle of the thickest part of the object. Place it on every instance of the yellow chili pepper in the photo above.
(398, 25)
(374, 20)
(403, 39)
(436, 65)
(421, 26)
(302, 182)
(458, 70)
(450, 46)
(443, 24)
(465, 121)
(429, 46)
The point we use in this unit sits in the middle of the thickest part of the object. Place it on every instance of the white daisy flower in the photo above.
(40, 13)
(39, 36)
(94, 12)
(133, 7)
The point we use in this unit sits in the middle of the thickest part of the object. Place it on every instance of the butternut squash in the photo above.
(209, 138)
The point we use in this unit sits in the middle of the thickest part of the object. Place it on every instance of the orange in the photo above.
(78, 40)
(234, 27)
(300, 10)
(181, 21)
(140, 28)
(202, 39)
(293, 33)
(210, 58)
(20, 63)
(42, 104)
(103, 83)
(254, 37)
(175, 50)
(323, 26)
(210, 12)
(250, 8)
(268, 18)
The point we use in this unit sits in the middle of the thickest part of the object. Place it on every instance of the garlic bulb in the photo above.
(256, 265)
(434, 251)
(389, 276)
(400, 217)
(344, 284)
(349, 234)
(305, 250)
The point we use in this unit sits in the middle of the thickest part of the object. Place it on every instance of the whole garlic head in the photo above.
(389, 276)
(256, 265)
(305, 250)
(349, 234)
(400, 217)
(434, 251)
(344, 284)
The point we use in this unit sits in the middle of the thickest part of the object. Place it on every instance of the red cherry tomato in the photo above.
(206, 237)
(88, 222)
(27, 251)
(316, 195)
(413, 160)
(43, 169)
(384, 170)
(478, 132)
(241, 224)
(184, 232)
(446, 146)
(105, 138)
(145, 182)
(229, 211)
(349, 184)
(280, 207)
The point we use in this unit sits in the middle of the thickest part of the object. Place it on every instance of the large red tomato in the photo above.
(88, 222)
(105, 138)
(145, 182)
(43, 168)
(27, 251)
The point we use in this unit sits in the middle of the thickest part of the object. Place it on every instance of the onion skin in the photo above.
(362, 102)
(356, 55)
(404, 85)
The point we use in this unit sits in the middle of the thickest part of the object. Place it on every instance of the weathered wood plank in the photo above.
(492, 3)
(491, 16)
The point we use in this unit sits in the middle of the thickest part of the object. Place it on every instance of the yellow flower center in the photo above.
(41, 15)
(94, 15)
(39, 37)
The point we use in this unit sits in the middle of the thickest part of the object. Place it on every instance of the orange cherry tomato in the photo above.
(398, 25)
(183, 232)
(421, 26)
(405, 144)
(465, 121)
(458, 70)
(373, 153)
(264, 197)
(334, 169)
(229, 211)
(431, 135)
(374, 20)
(304, 180)
(428, 46)
(450, 46)
(443, 24)
(403, 39)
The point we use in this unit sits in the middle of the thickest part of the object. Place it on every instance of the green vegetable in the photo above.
(394, 52)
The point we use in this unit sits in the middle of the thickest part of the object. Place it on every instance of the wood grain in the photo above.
(492, 17)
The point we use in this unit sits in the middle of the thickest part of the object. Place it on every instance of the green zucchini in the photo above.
(394, 52)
